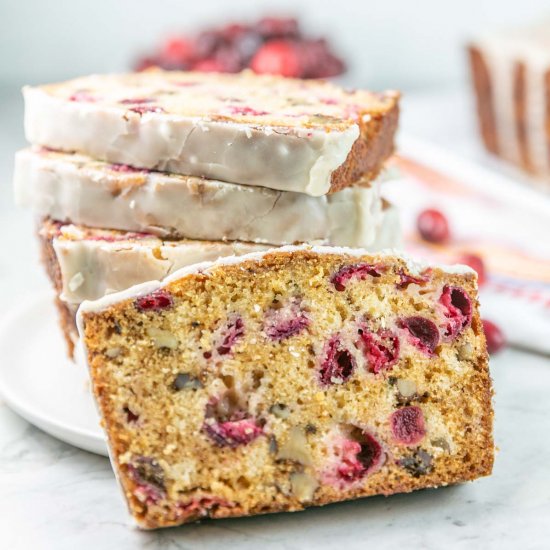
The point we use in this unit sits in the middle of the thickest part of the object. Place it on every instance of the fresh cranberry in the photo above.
(177, 51)
(359, 458)
(338, 363)
(208, 65)
(278, 27)
(148, 475)
(477, 264)
(494, 336)
(407, 425)
(406, 279)
(207, 42)
(277, 57)
(433, 226)
(233, 433)
(233, 332)
(287, 321)
(356, 271)
(155, 301)
(423, 333)
(381, 349)
(457, 307)
(146, 63)
(229, 59)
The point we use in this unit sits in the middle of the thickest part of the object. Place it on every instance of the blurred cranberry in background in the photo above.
(494, 336)
(273, 45)
(433, 226)
(477, 264)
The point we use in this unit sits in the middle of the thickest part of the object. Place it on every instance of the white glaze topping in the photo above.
(75, 188)
(95, 262)
(255, 130)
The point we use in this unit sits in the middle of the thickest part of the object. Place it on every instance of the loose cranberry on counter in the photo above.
(477, 264)
(277, 57)
(433, 226)
(496, 340)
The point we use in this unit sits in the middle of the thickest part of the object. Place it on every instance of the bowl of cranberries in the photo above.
(272, 45)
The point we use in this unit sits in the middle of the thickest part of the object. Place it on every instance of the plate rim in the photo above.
(25, 408)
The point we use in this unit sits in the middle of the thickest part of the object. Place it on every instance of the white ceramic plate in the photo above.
(38, 381)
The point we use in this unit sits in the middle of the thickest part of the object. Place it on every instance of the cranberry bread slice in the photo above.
(296, 377)
(85, 263)
(292, 135)
(71, 187)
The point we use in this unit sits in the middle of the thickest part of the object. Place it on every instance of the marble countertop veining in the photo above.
(54, 496)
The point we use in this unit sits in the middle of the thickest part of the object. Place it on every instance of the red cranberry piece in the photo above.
(208, 66)
(338, 364)
(407, 425)
(423, 333)
(207, 42)
(494, 336)
(406, 279)
(232, 333)
(433, 226)
(477, 264)
(381, 349)
(177, 51)
(287, 321)
(155, 301)
(359, 458)
(277, 57)
(148, 475)
(278, 27)
(146, 63)
(356, 271)
(233, 433)
(457, 309)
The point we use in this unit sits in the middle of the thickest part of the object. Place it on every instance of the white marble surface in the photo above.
(53, 496)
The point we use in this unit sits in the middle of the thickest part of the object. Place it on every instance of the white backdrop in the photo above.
(394, 43)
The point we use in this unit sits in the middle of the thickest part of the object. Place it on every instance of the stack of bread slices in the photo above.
(135, 176)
